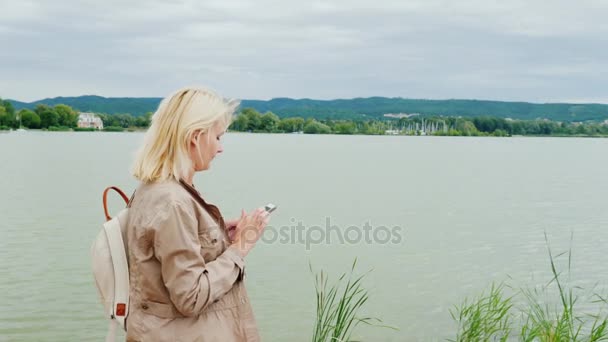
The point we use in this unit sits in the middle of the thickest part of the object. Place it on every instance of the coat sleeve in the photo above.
(192, 283)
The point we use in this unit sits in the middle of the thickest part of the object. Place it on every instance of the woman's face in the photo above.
(205, 146)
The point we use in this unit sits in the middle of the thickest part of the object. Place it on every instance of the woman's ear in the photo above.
(194, 137)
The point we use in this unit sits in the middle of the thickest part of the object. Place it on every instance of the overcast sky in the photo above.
(528, 50)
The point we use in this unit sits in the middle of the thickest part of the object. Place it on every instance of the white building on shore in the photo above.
(89, 120)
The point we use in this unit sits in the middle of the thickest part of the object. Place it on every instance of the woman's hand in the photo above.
(230, 227)
(248, 230)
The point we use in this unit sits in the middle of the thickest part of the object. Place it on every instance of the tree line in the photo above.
(493, 126)
(63, 117)
(250, 120)
(42, 116)
(356, 109)
(377, 107)
(125, 121)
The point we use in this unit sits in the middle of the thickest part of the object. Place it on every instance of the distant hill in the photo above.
(357, 108)
(98, 104)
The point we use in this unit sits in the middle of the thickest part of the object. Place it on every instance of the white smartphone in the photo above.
(270, 207)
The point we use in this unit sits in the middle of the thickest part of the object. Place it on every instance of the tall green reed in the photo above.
(485, 318)
(494, 317)
(338, 306)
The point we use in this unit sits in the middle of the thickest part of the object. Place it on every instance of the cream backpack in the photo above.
(109, 254)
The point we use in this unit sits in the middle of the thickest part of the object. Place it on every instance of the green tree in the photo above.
(241, 123)
(466, 127)
(126, 120)
(7, 115)
(500, 133)
(118, 120)
(298, 124)
(346, 127)
(29, 119)
(144, 120)
(110, 120)
(9, 107)
(254, 119)
(371, 128)
(581, 129)
(290, 125)
(40, 108)
(46, 115)
(546, 127)
(3, 116)
(532, 127)
(269, 122)
(315, 127)
(48, 118)
(491, 124)
(287, 125)
(366, 128)
(454, 133)
(519, 128)
(104, 119)
(67, 116)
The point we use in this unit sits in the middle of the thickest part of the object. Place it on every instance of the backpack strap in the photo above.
(105, 200)
(120, 264)
(120, 307)
(210, 208)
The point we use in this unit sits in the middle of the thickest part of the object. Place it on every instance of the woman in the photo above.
(186, 264)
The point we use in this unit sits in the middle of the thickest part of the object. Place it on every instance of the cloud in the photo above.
(517, 50)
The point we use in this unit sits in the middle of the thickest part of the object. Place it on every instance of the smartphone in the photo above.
(270, 207)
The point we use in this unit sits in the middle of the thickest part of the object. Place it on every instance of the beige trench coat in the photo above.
(186, 282)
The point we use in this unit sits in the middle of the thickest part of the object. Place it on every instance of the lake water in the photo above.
(469, 211)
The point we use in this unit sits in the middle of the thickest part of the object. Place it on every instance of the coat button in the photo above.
(144, 306)
(243, 300)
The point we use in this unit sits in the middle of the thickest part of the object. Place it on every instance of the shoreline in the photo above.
(139, 130)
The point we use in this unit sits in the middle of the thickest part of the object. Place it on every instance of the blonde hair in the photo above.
(164, 153)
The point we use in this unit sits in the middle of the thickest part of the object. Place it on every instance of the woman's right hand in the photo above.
(249, 230)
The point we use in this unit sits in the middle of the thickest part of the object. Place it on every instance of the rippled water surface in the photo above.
(469, 211)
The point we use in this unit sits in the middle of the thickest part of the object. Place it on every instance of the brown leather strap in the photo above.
(105, 200)
(211, 209)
